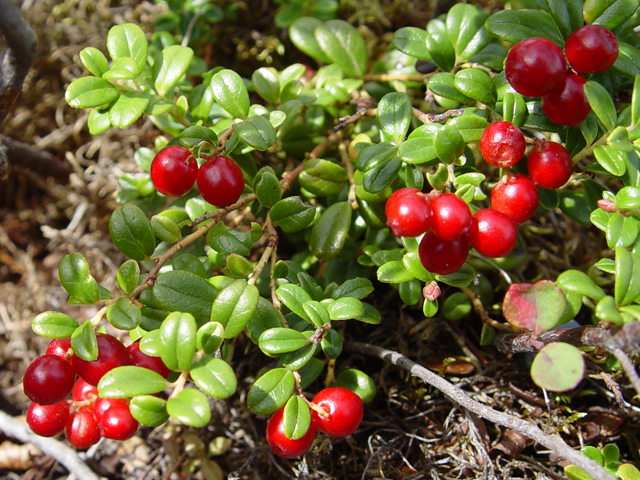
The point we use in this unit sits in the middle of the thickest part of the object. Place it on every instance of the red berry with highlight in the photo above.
(282, 445)
(111, 354)
(502, 144)
(408, 213)
(591, 49)
(492, 233)
(82, 391)
(567, 103)
(60, 347)
(117, 423)
(82, 430)
(516, 196)
(220, 181)
(451, 216)
(141, 359)
(173, 171)
(549, 165)
(442, 257)
(48, 379)
(345, 411)
(534, 66)
(48, 420)
(101, 405)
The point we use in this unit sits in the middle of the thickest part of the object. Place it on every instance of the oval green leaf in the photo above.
(129, 381)
(271, 391)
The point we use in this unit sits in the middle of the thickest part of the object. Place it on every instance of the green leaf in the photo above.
(124, 68)
(316, 312)
(575, 205)
(576, 473)
(323, 177)
(239, 267)
(580, 282)
(291, 214)
(456, 306)
(131, 232)
(296, 418)
(330, 232)
(234, 306)
(607, 311)
(514, 26)
(461, 278)
(371, 315)
(514, 108)
(372, 155)
(441, 50)
(271, 391)
(177, 340)
(277, 341)
(165, 229)
(628, 61)
(412, 41)
(149, 410)
(442, 84)
(477, 84)
(449, 144)
(611, 159)
(394, 115)
(378, 178)
(567, 15)
(98, 121)
(635, 101)
(128, 40)
(609, 13)
(593, 453)
(231, 93)
(355, 287)
(84, 343)
(169, 67)
(94, 61)
(128, 276)
(76, 279)
(90, 92)
(537, 307)
(182, 291)
(267, 187)
(466, 31)
(190, 407)
(129, 381)
(394, 272)
(267, 84)
(256, 132)
(197, 134)
(123, 314)
(128, 108)
(227, 240)
(627, 471)
(343, 45)
(214, 377)
(209, 337)
(301, 33)
(54, 325)
(345, 308)
(294, 296)
(265, 316)
(418, 150)
(621, 231)
(627, 278)
(601, 103)
(412, 263)
(558, 367)
(358, 382)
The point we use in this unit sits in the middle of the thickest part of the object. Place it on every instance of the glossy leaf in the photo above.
(296, 418)
(196, 134)
(128, 108)
(635, 101)
(256, 132)
(291, 214)
(54, 325)
(177, 340)
(611, 159)
(90, 92)
(271, 391)
(442, 84)
(277, 341)
(231, 93)
(316, 312)
(267, 84)
(128, 40)
(128, 276)
(343, 45)
(394, 115)
(456, 306)
(412, 41)
(234, 306)
(418, 150)
(214, 377)
(608, 13)
(123, 314)
(76, 279)
(332, 343)
(94, 61)
(345, 308)
(323, 177)
(358, 382)
(515, 25)
(330, 232)
(627, 276)
(149, 410)
(536, 307)
(182, 291)
(621, 231)
(558, 367)
(601, 103)
(165, 229)
(129, 381)
(228, 240)
(628, 61)
(239, 267)
(294, 296)
(607, 311)
(372, 155)
(394, 272)
(449, 144)
(476, 84)
(466, 31)
(84, 342)
(131, 232)
(378, 178)
(190, 407)
(267, 187)
(441, 50)
(301, 33)
(580, 282)
(209, 337)
(355, 287)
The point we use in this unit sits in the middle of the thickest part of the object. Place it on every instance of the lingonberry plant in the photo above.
(330, 159)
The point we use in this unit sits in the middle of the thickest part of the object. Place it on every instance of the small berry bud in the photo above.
(431, 291)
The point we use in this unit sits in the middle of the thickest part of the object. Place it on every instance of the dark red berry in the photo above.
(48, 420)
(516, 196)
(492, 233)
(48, 379)
(345, 409)
(101, 405)
(549, 165)
(173, 171)
(442, 257)
(282, 445)
(60, 347)
(82, 391)
(451, 216)
(117, 423)
(408, 213)
(111, 354)
(534, 66)
(567, 103)
(591, 49)
(502, 144)
(82, 430)
(220, 181)
(141, 359)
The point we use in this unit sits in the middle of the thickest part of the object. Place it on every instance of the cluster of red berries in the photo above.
(86, 418)
(536, 67)
(344, 414)
(174, 171)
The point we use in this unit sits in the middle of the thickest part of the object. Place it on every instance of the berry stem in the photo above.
(269, 251)
(484, 315)
(348, 166)
(179, 384)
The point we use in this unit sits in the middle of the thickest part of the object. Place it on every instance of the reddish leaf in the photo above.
(538, 306)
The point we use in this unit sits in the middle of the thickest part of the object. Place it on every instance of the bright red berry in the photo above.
(451, 216)
(60, 347)
(82, 430)
(141, 359)
(591, 49)
(534, 66)
(408, 213)
(48, 420)
(492, 233)
(282, 445)
(117, 423)
(111, 354)
(48, 379)
(82, 391)
(567, 103)
(442, 257)
(173, 171)
(502, 144)
(345, 409)
(516, 196)
(549, 165)
(220, 181)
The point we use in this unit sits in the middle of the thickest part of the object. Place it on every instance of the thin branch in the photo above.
(484, 315)
(436, 117)
(49, 446)
(35, 160)
(528, 429)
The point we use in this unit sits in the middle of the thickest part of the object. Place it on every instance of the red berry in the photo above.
(442, 257)
(82, 391)
(534, 66)
(516, 196)
(101, 405)
(48, 420)
(117, 423)
(141, 359)
(502, 144)
(220, 181)
(408, 213)
(173, 171)
(60, 347)
(282, 445)
(492, 233)
(345, 409)
(48, 380)
(82, 430)
(111, 354)
(591, 49)
(451, 216)
(549, 165)
(567, 103)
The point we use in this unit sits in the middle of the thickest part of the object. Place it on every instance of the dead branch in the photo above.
(39, 161)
